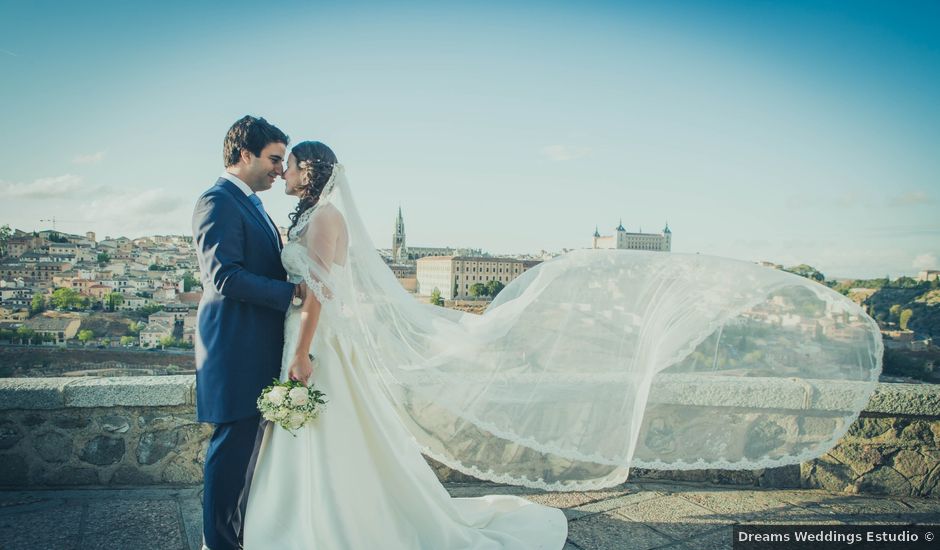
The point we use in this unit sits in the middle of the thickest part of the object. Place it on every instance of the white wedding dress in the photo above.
(583, 367)
(355, 478)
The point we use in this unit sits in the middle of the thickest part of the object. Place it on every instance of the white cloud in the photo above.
(914, 198)
(134, 212)
(561, 153)
(93, 158)
(65, 186)
(926, 261)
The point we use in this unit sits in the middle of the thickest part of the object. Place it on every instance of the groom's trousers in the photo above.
(229, 464)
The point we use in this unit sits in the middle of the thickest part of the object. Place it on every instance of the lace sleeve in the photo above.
(323, 237)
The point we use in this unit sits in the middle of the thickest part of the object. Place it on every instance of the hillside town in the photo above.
(73, 290)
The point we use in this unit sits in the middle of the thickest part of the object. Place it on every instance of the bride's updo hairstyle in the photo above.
(315, 161)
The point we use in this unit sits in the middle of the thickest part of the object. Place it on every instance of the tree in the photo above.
(150, 310)
(189, 281)
(26, 334)
(167, 341)
(85, 336)
(134, 327)
(493, 287)
(5, 234)
(103, 258)
(905, 318)
(38, 304)
(128, 340)
(477, 290)
(807, 271)
(65, 298)
(894, 311)
(113, 300)
(436, 297)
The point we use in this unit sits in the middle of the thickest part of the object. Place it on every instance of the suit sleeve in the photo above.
(218, 237)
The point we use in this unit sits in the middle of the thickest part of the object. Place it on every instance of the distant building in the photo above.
(155, 331)
(399, 249)
(625, 240)
(928, 275)
(61, 329)
(454, 275)
(402, 253)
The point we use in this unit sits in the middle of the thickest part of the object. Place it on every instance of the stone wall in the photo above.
(892, 449)
(142, 430)
(100, 432)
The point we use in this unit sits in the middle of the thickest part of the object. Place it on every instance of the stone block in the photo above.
(103, 450)
(831, 477)
(154, 446)
(137, 391)
(910, 463)
(115, 424)
(782, 477)
(871, 428)
(33, 420)
(764, 436)
(33, 393)
(885, 480)
(182, 470)
(10, 434)
(906, 399)
(861, 458)
(53, 446)
(918, 433)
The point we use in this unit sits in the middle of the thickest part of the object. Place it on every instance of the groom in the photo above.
(240, 325)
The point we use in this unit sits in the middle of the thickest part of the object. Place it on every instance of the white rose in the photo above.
(299, 396)
(282, 414)
(297, 420)
(277, 395)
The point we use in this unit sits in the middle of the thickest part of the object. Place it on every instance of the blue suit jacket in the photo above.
(240, 324)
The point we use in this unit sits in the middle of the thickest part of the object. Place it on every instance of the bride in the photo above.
(582, 367)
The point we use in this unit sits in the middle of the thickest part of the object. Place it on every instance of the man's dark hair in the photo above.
(251, 134)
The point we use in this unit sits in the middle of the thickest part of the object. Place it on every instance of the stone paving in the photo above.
(632, 516)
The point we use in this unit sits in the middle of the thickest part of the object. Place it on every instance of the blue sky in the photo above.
(791, 132)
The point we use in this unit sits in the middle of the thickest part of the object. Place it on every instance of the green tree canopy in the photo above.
(493, 287)
(38, 304)
(905, 318)
(5, 234)
(66, 298)
(807, 271)
(113, 300)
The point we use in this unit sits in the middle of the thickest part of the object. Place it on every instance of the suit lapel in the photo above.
(252, 210)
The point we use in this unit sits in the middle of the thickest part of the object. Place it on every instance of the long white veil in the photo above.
(600, 360)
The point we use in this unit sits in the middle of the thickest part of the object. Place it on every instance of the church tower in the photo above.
(399, 250)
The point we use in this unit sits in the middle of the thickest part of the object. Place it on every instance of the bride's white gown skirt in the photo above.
(355, 479)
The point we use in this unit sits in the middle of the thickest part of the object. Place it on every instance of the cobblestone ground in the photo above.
(633, 516)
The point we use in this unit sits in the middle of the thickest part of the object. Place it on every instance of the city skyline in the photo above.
(798, 133)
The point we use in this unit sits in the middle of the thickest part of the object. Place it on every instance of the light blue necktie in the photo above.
(257, 202)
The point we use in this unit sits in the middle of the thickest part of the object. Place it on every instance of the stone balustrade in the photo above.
(142, 431)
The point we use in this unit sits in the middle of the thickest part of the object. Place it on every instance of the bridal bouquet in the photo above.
(290, 404)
